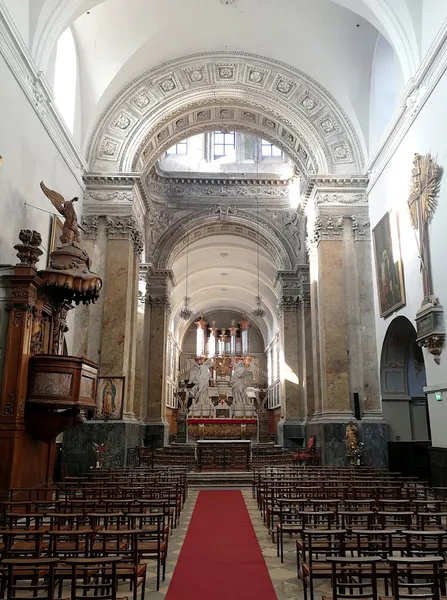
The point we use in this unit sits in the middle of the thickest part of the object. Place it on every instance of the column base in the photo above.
(290, 433)
(330, 438)
(156, 435)
(438, 466)
(118, 436)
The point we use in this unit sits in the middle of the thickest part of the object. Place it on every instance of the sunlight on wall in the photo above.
(295, 193)
(65, 78)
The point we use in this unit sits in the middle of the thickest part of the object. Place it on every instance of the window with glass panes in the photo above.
(180, 148)
(224, 143)
(268, 149)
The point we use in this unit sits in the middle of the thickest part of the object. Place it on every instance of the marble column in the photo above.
(343, 326)
(107, 332)
(156, 323)
(295, 338)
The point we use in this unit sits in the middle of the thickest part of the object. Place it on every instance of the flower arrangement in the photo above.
(356, 453)
(100, 451)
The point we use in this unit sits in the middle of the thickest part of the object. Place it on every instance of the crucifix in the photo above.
(422, 203)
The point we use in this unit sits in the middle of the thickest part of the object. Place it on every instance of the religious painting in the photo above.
(110, 398)
(388, 261)
(56, 232)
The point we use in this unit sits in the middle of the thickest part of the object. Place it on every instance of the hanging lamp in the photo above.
(186, 313)
(258, 311)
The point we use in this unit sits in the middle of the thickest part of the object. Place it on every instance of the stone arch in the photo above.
(402, 374)
(243, 224)
(232, 90)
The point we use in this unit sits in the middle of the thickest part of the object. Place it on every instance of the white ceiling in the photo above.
(209, 289)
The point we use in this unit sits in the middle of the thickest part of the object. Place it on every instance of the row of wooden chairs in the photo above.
(81, 521)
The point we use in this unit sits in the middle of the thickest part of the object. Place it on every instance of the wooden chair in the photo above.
(290, 521)
(415, 577)
(153, 544)
(318, 546)
(97, 575)
(124, 543)
(30, 578)
(353, 577)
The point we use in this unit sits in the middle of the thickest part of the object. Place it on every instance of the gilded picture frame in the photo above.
(110, 398)
(56, 232)
(388, 264)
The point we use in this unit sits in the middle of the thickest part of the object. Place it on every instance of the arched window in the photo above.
(65, 77)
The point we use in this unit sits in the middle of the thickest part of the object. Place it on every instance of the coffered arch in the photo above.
(200, 225)
(225, 90)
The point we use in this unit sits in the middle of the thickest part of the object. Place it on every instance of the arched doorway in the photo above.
(404, 403)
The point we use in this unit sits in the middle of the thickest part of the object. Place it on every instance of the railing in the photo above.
(274, 395)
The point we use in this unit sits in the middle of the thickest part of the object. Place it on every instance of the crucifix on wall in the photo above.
(422, 204)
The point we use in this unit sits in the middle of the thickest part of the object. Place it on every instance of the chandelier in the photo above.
(258, 311)
(186, 313)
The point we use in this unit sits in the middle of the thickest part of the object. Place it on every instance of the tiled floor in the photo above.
(175, 545)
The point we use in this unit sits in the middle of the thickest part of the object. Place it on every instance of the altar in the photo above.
(222, 429)
(221, 455)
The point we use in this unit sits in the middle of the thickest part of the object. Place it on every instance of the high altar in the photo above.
(223, 399)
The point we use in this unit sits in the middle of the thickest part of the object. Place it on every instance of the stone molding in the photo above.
(89, 225)
(215, 186)
(293, 288)
(266, 96)
(335, 190)
(287, 304)
(158, 302)
(125, 228)
(361, 227)
(38, 92)
(245, 224)
(115, 196)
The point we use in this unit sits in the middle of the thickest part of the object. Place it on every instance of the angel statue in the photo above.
(200, 377)
(240, 380)
(70, 229)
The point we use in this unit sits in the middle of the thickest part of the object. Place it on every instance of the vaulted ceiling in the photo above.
(332, 41)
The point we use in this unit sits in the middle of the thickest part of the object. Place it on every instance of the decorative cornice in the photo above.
(413, 100)
(38, 92)
(115, 196)
(326, 185)
(217, 186)
(125, 228)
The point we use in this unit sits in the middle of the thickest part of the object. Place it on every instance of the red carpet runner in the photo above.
(220, 558)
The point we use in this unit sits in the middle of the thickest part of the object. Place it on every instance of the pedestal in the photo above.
(330, 437)
(118, 436)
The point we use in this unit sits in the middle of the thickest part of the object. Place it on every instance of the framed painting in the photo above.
(56, 232)
(110, 398)
(388, 262)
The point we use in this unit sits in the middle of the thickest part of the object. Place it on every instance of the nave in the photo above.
(297, 532)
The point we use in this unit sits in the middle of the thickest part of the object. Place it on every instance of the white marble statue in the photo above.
(240, 380)
(200, 377)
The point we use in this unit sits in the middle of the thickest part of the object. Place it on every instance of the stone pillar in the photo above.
(295, 339)
(343, 326)
(156, 324)
(107, 332)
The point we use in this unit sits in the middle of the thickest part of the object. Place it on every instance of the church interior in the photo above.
(222, 280)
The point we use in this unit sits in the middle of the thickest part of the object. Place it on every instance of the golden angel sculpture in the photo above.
(70, 229)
